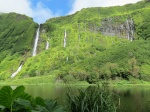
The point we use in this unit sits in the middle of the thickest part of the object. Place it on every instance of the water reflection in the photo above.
(132, 99)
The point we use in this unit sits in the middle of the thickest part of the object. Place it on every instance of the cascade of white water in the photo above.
(67, 59)
(18, 70)
(47, 44)
(132, 29)
(128, 30)
(36, 41)
(65, 38)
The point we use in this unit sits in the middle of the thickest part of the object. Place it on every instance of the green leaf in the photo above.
(6, 96)
(18, 92)
(23, 102)
(39, 101)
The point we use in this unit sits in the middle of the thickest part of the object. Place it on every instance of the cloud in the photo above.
(18, 6)
(39, 13)
(79, 4)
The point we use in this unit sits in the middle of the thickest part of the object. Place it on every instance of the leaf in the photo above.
(18, 91)
(2, 107)
(6, 96)
(26, 96)
(52, 106)
(39, 101)
(23, 102)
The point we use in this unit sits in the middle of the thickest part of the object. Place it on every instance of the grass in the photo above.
(31, 80)
(91, 100)
(50, 80)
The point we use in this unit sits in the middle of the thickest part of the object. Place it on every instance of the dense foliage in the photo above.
(16, 41)
(89, 55)
(19, 101)
(91, 100)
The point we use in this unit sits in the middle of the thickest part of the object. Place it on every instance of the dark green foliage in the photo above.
(15, 29)
(18, 101)
(8, 96)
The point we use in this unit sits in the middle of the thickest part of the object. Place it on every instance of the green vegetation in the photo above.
(18, 101)
(91, 100)
(89, 56)
(16, 41)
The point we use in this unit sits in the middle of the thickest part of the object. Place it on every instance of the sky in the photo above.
(42, 10)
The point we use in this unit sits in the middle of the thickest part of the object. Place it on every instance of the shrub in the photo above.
(91, 100)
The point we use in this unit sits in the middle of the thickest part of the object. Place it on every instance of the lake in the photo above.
(132, 98)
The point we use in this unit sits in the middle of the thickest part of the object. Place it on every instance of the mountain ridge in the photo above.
(90, 55)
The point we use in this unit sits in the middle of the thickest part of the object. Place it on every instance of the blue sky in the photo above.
(56, 6)
(42, 10)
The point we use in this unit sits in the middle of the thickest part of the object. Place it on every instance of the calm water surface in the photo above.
(132, 99)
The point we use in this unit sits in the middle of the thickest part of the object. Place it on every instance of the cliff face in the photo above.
(116, 27)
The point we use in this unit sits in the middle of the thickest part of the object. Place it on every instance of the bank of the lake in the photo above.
(50, 80)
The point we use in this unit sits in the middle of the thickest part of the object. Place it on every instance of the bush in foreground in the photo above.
(91, 100)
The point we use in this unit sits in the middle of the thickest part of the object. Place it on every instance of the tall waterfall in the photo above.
(132, 29)
(36, 41)
(128, 30)
(18, 70)
(65, 38)
(47, 44)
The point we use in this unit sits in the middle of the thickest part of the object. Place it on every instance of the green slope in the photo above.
(16, 41)
(89, 55)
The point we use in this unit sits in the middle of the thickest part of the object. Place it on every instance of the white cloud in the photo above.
(18, 6)
(79, 4)
(40, 14)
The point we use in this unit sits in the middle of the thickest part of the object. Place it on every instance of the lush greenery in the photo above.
(16, 41)
(88, 56)
(16, 100)
(92, 99)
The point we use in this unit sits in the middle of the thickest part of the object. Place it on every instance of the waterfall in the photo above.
(128, 29)
(18, 70)
(47, 44)
(65, 38)
(132, 29)
(67, 59)
(36, 41)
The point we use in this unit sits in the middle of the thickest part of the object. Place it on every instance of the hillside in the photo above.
(94, 44)
(16, 40)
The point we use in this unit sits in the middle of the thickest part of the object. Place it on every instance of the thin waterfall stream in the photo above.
(36, 42)
(47, 44)
(65, 38)
(18, 70)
